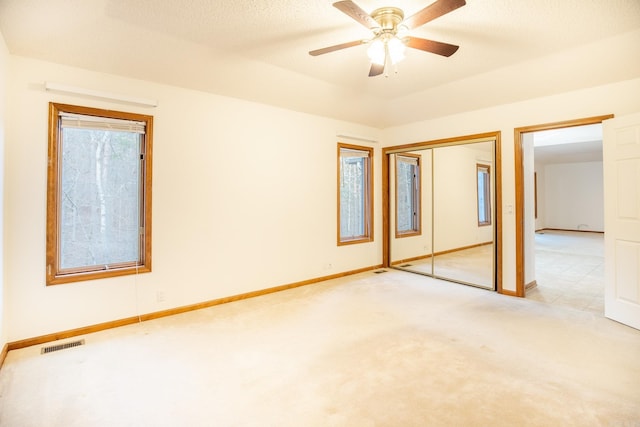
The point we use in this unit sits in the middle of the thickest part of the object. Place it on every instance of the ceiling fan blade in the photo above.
(433, 11)
(439, 48)
(354, 11)
(335, 47)
(376, 70)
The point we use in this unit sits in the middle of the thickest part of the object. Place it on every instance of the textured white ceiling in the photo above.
(569, 135)
(569, 145)
(257, 50)
(579, 152)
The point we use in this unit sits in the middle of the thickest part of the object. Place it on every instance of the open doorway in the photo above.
(568, 229)
(568, 210)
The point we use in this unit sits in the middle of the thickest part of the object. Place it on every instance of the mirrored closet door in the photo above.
(441, 211)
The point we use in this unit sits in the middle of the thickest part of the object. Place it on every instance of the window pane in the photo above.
(99, 198)
(407, 195)
(354, 191)
(98, 193)
(352, 197)
(484, 195)
(481, 210)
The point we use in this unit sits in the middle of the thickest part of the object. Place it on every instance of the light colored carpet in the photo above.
(570, 270)
(391, 349)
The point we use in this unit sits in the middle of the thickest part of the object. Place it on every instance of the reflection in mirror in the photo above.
(410, 216)
(441, 214)
(462, 223)
(408, 197)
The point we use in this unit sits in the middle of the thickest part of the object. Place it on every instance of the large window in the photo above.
(355, 194)
(407, 195)
(484, 195)
(98, 194)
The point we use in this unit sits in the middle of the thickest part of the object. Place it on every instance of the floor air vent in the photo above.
(406, 265)
(380, 271)
(63, 346)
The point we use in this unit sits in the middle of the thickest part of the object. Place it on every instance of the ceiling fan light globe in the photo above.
(397, 58)
(376, 52)
(396, 50)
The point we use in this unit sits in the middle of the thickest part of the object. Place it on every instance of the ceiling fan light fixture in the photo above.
(382, 47)
(391, 32)
(377, 52)
(396, 50)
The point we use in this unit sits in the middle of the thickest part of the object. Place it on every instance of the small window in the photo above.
(407, 195)
(484, 195)
(98, 194)
(355, 194)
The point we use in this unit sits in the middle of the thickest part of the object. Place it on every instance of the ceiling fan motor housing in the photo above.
(388, 18)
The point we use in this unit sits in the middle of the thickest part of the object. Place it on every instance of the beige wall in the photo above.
(4, 66)
(540, 220)
(244, 198)
(574, 196)
(529, 214)
(455, 223)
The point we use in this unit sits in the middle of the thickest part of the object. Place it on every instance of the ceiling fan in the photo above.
(390, 32)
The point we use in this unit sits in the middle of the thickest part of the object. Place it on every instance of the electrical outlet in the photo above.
(160, 296)
(327, 266)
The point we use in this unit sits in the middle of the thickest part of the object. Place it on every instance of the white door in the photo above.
(621, 157)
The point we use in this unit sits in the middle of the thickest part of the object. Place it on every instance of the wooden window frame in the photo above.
(368, 210)
(417, 230)
(487, 204)
(54, 275)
